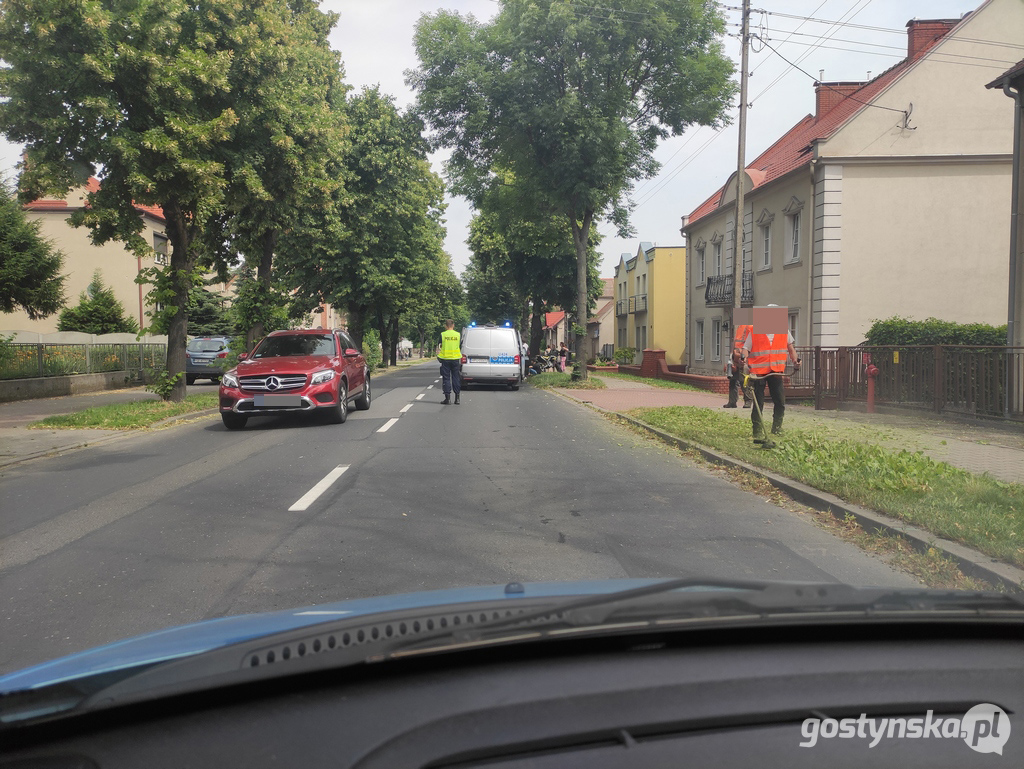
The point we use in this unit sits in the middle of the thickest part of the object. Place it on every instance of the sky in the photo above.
(375, 41)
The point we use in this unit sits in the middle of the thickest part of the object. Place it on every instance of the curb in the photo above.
(970, 561)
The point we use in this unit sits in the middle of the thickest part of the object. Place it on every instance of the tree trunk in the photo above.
(181, 266)
(581, 239)
(268, 242)
(537, 327)
(382, 329)
(394, 340)
(356, 316)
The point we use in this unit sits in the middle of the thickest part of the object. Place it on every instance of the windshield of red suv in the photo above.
(296, 344)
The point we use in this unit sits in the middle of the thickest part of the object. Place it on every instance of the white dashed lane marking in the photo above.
(388, 425)
(314, 493)
(405, 408)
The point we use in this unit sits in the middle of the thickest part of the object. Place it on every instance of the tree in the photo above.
(389, 215)
(570, 98)
(207, 315)
(153, 94)
(99, 311)
(30, 266)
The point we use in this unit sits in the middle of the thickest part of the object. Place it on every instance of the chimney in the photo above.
(922, 34)
(828, 95)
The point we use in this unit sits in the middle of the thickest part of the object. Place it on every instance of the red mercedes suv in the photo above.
(302, 370)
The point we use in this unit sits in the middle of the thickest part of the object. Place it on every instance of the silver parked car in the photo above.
(206, 357)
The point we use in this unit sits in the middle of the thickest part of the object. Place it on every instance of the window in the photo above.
(794, 237)
(698, 341)
(643, 337)
(160, 248)
(716, 339)
(792, 327)
(717, 258)
(793, 223)
(701, 264)
(766, 245)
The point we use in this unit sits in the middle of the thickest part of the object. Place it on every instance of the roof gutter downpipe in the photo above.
(1015, 243)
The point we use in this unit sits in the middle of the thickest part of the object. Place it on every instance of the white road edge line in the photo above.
(314, 493)
(388, 425)
(405, 408)
(420, 396)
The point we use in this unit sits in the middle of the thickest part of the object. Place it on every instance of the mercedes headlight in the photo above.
(322, 376)
(229, 380)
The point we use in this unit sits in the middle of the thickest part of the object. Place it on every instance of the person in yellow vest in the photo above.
(449, 355)
(766, 358)
(734, 369)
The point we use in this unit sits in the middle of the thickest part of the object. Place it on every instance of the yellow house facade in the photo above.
(650, 301)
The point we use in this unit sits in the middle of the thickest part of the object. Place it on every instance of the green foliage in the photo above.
(134, 415)
(259, 303)
(625, 355)
(570, 102)
(904, 331)
(98, 312)
(207, 315)
(162, 382)
(30, 266)
(371, 349)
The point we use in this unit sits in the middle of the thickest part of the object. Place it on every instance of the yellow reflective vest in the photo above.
(450, 346)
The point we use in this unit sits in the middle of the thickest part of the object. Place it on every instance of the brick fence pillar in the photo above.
(650, 366)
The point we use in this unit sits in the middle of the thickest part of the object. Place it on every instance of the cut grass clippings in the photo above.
(665, 383)
(564, 380)
(135, 415)
(979, 511)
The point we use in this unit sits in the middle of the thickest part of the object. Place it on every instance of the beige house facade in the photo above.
(118, 267)
(890, 200)
(650, 301)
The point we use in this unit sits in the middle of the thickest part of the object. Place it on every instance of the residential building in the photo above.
(601, 325)
(650, 301)
(891, 199)
(556, 329)
(118, 267)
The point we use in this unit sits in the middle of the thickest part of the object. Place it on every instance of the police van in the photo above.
(492, 355)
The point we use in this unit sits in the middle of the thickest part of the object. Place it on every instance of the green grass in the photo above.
(559, 379)
(667, 384)
(136, 415)
(979, 511)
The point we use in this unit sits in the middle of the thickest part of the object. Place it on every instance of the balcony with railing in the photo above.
(620, 308)
(638, 303)
(719, 290)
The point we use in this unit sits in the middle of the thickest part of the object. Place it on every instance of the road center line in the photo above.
(430, 387)
(314, 493)
(387, 425)
(405, 408)
(420, 396)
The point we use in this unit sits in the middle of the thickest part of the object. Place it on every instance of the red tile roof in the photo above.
(793, 149)
(92, 185)
(552, 319)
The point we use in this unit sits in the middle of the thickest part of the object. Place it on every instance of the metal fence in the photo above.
(26, 361)
(977, 381)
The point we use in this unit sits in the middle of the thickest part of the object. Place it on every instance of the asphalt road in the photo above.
(196, 522)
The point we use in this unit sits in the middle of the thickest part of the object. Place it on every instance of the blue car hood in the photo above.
(185, 640)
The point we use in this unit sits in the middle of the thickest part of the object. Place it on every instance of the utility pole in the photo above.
(741, 164)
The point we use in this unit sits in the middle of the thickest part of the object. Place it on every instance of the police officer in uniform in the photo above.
(449, 355)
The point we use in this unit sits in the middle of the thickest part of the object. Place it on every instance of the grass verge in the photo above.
(559, 379)
(668, 385)
(136, 415)
(978, 511)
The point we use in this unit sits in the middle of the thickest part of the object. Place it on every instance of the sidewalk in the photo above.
(996, 449)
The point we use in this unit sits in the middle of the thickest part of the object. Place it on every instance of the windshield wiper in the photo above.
(703, 600)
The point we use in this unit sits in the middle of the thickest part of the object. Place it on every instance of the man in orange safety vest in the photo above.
(766, 358)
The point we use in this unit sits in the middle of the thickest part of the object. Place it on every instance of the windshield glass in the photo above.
(299, 344)
(518, 292)
(207, 345)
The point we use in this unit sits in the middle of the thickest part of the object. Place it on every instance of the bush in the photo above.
(625, 355)
(372, 350)
(903, 331)
(98, 312)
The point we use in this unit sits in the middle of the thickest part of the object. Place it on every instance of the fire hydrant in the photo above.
(872, 372)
